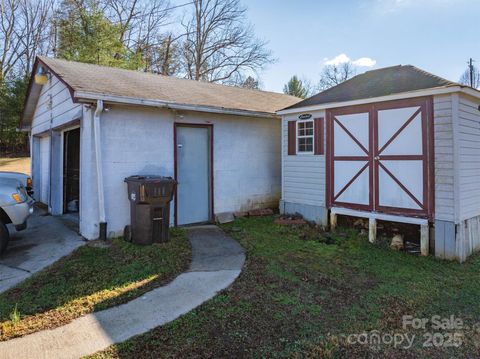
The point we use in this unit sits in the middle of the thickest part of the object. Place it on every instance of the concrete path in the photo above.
(217, 261)
(45, 241)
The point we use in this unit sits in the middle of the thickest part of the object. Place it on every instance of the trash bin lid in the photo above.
(149, 179)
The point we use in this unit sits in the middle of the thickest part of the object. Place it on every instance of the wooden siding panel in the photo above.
(54, 105)
(444, 164)
(303, 175)
(469, 157)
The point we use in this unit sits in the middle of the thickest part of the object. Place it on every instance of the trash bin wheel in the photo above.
(127, 233)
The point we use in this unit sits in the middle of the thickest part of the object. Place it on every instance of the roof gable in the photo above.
(377, 83)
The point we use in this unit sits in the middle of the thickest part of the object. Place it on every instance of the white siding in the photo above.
(140, 141)
(303, 175)
(444, 158)
(54, 105)
(468, 157)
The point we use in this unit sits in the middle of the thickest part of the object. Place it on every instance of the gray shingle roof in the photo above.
(376, 83)
(146, 86)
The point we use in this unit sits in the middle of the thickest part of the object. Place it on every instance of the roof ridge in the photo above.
(426, 73)
(46, 59)
(381, 69)
(377, 83)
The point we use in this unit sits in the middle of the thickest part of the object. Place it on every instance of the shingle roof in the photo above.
(146, 86)
(376, 83)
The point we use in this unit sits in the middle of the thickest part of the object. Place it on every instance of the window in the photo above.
(305, 136)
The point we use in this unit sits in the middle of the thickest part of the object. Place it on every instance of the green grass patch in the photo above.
(92, 278)
(302, 292)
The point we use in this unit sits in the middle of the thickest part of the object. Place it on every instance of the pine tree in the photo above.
(86, 35)
(250, 83)
(295, 87)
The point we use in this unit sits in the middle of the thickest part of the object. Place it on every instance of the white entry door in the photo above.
(193, 168)
(44, 162)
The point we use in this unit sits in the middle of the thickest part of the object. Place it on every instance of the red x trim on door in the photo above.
(405, 130)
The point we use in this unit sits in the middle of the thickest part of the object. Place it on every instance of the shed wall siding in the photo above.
(303, 177)
(54, 106)
(444, 158)
(469, 157)
(140, 141)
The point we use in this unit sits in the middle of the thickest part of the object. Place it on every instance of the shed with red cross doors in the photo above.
(396, 144)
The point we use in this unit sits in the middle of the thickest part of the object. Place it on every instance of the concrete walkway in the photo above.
(45, 241)
(217, 261)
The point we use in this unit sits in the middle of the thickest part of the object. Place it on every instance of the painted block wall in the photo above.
(247, 167)
(139, 140)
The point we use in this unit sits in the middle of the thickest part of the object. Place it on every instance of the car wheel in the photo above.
(4, 237)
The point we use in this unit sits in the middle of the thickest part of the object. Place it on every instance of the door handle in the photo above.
(180, 146)
(376, 158)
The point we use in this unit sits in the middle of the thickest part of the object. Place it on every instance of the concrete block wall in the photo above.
(134, 141)
(139, 140)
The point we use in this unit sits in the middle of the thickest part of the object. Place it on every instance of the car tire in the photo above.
(4, 237)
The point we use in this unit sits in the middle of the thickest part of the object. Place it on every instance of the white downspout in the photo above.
(98, 160)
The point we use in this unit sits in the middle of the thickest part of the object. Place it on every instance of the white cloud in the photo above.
(364, 62)
(343, 58)
(337, 60)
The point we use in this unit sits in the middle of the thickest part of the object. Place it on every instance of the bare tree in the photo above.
(471, 76)
(142, 24)
(36, 19)
(333, 75)
(163, 56)
(24, 32)
(10, 47)
(219, 45)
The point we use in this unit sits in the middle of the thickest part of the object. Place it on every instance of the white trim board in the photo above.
(87, 97)
(379, 216)
(399, 96)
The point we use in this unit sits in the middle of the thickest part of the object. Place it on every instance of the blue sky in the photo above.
(436, 35)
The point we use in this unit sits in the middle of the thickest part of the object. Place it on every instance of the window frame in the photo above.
(297, 136)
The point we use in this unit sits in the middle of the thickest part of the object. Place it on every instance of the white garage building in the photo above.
(396, 144)
(92, 126)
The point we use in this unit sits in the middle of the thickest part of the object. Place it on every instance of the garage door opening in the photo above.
(71, 171)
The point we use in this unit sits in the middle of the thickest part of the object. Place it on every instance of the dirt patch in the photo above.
(15, 164)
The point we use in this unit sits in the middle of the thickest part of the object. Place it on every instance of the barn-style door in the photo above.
(379, 157)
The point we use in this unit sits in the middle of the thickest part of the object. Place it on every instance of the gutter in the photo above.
(434, 91)
(88, 96)
(98, 161)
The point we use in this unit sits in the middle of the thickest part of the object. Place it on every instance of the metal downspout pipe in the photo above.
(98, 161)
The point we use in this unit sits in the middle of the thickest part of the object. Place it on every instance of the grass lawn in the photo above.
(92, 278)
(15, 164)
(302, 295)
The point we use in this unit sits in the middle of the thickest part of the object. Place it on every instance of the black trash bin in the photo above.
(150, 198)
